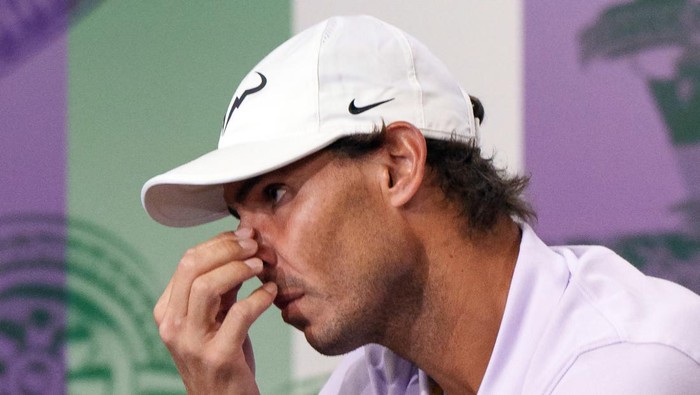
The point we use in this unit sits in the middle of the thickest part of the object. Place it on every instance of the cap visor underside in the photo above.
(192, 194)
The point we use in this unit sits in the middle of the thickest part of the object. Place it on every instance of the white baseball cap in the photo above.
(343, 76)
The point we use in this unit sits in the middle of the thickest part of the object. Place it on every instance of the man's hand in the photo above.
(201, 321)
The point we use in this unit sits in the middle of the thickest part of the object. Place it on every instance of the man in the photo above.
(350, 156)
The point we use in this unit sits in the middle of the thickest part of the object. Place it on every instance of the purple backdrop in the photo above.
(613, 128)
(596, 145)
(33, 109)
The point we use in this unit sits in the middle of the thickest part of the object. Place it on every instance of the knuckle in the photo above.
(158, 313)
(169, 331)
(203, 287)
(243, 311)
(231, 248)
(166, 333)
(189, 259)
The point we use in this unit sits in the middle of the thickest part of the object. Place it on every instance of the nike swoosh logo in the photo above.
(237, 101)
(358, 110)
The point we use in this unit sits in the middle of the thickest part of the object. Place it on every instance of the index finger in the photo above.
(201, 259)
(234, 329)
(159, 309)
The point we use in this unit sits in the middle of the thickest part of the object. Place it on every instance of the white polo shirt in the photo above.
(578, 320)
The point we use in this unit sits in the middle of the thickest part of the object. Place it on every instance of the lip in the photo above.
(283, 300)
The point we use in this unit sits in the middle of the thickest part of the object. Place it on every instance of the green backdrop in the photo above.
(149, 82)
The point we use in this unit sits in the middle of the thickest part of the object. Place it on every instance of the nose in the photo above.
(262, 234)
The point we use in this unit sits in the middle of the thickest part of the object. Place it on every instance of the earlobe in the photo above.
(407, 152)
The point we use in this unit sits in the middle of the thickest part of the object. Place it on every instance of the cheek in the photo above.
(313, 237)
(323, 236)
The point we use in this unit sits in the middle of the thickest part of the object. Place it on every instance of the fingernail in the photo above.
(254, 263)
(245, 232)
(270, 287)
(248, 244)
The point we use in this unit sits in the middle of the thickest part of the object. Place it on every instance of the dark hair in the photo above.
(482, 192)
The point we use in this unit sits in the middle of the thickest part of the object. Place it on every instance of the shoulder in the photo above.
(634, 307)
(631, 368)
(613, 325)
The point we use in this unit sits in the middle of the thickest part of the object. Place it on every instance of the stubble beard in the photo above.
(382, 299)
(380, 311)
(348, 329)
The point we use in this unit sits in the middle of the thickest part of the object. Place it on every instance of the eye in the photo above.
(234, 213)
(275, 192)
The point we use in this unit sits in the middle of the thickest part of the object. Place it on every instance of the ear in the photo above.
(406, 153)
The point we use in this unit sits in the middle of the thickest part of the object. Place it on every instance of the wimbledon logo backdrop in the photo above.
(95, 97)
(613, 128)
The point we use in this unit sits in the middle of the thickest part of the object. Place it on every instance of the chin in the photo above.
(329, 342)
(331, 349)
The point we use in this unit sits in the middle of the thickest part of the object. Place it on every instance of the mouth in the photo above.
(288, 303)
(285, 300)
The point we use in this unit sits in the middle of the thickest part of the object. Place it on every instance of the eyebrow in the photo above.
(243, 192)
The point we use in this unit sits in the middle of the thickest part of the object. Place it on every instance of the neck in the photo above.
(453, 332)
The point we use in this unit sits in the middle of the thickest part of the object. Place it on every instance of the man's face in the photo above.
(343, 258)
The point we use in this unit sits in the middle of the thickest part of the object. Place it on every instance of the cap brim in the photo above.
(192, 194)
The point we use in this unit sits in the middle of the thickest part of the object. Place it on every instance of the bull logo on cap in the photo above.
(238, 100)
